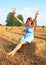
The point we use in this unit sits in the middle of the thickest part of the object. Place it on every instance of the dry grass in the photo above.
(30, 54)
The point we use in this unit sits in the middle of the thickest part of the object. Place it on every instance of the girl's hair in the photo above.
(29, 20)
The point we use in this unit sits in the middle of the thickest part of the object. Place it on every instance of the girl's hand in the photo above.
(14, 11)
(37, 12)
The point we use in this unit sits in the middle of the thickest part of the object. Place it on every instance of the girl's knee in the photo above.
(23, 42)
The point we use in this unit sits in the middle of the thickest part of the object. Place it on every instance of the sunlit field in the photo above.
(30, 54)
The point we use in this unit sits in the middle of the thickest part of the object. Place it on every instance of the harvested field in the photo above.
(30, 54)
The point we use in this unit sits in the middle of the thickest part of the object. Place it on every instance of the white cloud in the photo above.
(27, 12)
(2, 16)
(42, 19)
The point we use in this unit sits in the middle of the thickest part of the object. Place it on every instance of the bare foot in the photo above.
(10, 54)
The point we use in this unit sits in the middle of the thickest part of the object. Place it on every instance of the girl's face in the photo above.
(28, 23)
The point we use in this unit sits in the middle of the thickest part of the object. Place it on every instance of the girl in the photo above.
(29, 35)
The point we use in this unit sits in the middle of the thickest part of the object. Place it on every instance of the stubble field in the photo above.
(30, 54)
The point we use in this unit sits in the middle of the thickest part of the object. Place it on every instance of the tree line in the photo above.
(11, 21)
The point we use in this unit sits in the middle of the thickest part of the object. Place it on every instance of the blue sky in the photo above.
(25, 7)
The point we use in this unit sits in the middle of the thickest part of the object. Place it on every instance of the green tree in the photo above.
(10, 18)
(0, 24)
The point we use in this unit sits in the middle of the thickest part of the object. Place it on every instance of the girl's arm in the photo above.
(19, 20)
(34, 20)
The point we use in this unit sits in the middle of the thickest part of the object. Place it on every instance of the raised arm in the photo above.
(36, 14)
(14, 11)
(34, 20)
(19, 20)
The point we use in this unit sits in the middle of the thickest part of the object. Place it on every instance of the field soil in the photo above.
(29, 54)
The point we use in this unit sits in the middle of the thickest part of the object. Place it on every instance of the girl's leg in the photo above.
(19, 45)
